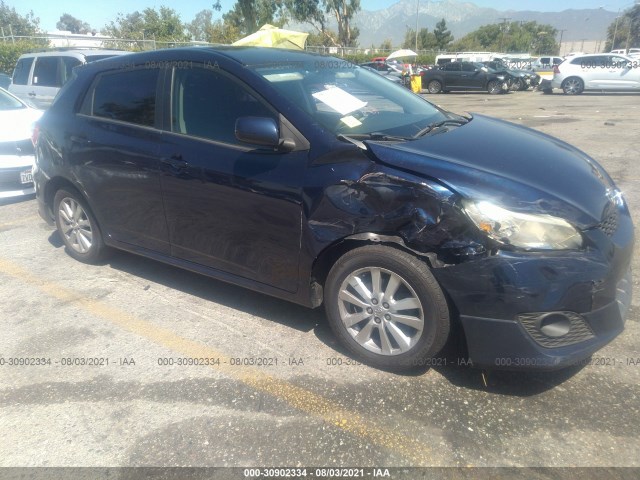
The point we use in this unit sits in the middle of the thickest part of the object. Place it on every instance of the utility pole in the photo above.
(504, 27)
(560, 47)
(615, 32)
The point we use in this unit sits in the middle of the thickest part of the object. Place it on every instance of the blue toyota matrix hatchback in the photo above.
(319, 182)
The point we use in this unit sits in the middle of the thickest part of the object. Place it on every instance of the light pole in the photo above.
(417, 12)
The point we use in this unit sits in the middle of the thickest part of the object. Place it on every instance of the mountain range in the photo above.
(464, 17)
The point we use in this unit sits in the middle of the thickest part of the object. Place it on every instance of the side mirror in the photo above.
(258, 131)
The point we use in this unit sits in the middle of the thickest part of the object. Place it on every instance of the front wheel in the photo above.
(494, 87)
(386, 307)
(78, 227)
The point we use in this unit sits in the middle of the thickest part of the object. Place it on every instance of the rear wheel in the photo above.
(573, 86)
(494, 87)
(434, 86)
(386, 307)
(78, 227)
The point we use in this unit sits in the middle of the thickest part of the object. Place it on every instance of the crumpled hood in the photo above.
(514, 166)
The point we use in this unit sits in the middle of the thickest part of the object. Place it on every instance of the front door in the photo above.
(230, 206)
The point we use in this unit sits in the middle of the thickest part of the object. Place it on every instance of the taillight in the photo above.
(556, 69)
(34, 134)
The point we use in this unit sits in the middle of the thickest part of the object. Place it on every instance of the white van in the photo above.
(38, 76)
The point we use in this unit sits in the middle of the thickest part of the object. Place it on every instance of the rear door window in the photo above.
(45, 73)
(21, 72)
(126, 96)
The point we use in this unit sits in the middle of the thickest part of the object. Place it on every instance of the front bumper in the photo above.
(504, 301)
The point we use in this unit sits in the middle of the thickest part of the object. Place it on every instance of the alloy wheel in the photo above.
(76, 226)
(381, 311)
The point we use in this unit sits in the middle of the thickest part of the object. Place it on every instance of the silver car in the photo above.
(38, 76)
(599, 71)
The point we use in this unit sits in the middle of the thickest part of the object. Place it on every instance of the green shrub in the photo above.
(10, 52)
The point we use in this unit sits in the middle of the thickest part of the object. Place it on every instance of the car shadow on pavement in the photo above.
(452, 362)
(454, 365)
(215, 291)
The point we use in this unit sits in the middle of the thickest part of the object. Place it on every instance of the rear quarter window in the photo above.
(126, 96)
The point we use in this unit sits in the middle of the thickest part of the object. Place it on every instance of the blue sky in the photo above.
(98, 13)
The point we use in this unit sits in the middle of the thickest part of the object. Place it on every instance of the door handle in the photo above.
(175, 162)
(32, 94)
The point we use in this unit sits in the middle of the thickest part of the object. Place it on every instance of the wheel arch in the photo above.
(58, 183)
(328, 257)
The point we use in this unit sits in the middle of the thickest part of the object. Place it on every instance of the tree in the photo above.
(201, 26)
(624, 32)
(249, 15)
(426, 39)
(315, 12)
(386, 44)
(511, 37)
(15, 24)
(442, 36)
(164, 25)
(318, 39)
(72, 24)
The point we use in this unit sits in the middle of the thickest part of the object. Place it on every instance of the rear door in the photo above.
(452, 75)
(113, 150)
(45, 81)
(471, 79)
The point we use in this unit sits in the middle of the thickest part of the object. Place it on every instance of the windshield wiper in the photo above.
(356, 137)
(435, 125)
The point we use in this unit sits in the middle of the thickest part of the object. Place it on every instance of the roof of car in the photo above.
(243, 55)
(83, 52)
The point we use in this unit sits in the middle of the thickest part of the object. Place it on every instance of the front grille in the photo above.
(609, 223)
(578, 332)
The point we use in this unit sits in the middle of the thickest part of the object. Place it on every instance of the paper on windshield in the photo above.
(339, 100)
(351, 121)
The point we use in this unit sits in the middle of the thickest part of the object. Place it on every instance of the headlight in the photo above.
(522, 229)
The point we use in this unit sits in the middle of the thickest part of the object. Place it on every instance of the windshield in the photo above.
(349, 100)
(9, 102)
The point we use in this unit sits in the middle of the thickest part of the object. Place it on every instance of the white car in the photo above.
(16, 149)
(598, 71)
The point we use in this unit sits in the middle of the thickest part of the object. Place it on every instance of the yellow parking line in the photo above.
(304, 400)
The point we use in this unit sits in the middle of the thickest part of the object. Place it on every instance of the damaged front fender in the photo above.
(421, 215)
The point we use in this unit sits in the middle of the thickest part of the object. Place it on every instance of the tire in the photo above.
(78, 227)
(434, 86)
(395, 326)
(573, 86)
(494, 87)
(518, 85)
